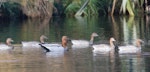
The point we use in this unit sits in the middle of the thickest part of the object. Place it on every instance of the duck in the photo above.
(34, 44)
(8, 45)
(134, 48)
(56, 46)
(84, 43)
(104, 48)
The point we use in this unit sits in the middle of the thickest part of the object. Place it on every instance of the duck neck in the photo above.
(138, 44)
(8, 43)
(91, 40)
(64, 44)
(42, 41)
(111, 44)
(64, 41)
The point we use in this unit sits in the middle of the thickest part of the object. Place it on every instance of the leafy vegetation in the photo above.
(126, 6)
(81, 7)
(45, 8)
(11, 9)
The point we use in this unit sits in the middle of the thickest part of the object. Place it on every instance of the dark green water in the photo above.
(123, 29)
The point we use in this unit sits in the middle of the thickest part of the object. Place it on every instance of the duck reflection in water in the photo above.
(115, 61)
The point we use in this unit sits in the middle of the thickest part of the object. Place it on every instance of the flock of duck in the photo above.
(63, 46)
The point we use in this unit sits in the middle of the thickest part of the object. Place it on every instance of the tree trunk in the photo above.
(38, 8)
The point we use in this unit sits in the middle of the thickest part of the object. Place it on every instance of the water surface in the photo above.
(124, 29)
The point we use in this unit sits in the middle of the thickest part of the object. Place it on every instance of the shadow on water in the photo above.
(124, 29)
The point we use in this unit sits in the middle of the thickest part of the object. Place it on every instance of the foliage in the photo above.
(11, 9)
(130, 8)
(126, 5)
(102, 6)
(80, 5)
(30, 8)
(72, 8)
(34, 8)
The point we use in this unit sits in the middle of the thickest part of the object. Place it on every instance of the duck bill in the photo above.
(45, 37)
(12, 40)
(142, 43)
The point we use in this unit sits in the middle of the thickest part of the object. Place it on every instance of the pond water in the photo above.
(124, 29)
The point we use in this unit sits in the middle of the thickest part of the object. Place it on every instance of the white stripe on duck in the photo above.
(8, 45)
(83, 43)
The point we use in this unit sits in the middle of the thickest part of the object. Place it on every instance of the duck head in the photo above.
(8, 41)
(139, 42)
(64, 41)
(94, 34)
(42, 38)
(92, 37)
(112, 42)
